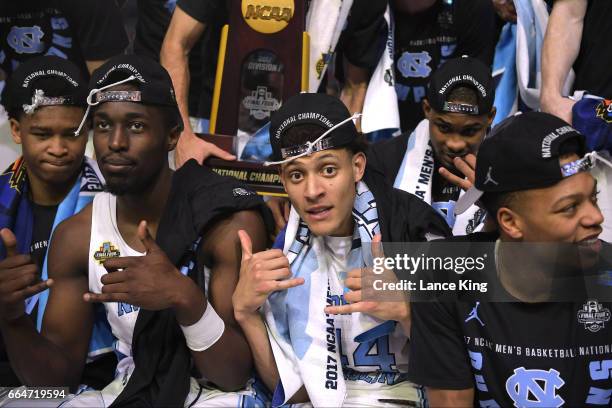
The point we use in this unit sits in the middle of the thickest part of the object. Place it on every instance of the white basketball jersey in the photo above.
(106, 242)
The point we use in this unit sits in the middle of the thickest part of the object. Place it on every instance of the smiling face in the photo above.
(132, 141)
(566, 212)
(321, 187)
(52, 154)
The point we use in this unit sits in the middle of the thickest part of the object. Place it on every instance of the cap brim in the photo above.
(467, 200)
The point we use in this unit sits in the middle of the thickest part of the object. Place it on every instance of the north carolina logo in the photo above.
(26, 40)
(106, 251)
(593, 315)
(535, 388)
(414, 64)
(604, 110)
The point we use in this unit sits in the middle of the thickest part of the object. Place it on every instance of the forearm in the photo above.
(564, 27)
(175, 58)
(256, 334)
(355, 87)
(227, 363)
(36, 360)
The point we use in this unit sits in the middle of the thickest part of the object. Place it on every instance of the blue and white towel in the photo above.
(416, 177)
(532, 19)
(380, 109)
(302, 336)
(325, 21)
(504, 74)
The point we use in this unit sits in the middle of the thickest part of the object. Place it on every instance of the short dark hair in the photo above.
(299, 135)
(492, 202)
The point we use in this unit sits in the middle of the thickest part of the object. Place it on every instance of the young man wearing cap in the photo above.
(195, 215)
(459, 111)
(318, 348)
(51, 181)
(541, 335)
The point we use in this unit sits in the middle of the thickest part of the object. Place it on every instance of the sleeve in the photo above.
(476, 28)
(98, 26)
(363, 40)
(205, 11)
(438, 357)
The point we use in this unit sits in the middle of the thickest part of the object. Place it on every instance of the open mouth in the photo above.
(319, 213)
(592, 242)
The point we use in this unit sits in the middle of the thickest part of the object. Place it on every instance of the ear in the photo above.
(491, 116)
(173, 138)
(359, 165)
(426, 109)
(510, 222)
(15, 130)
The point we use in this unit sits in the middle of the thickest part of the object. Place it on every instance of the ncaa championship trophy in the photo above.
(263, 60)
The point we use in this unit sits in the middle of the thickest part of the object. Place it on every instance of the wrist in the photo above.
(205, 332)
(188, 302)
(244, 316)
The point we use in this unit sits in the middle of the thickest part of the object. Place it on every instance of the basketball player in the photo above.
(107, 254)
(334, 219)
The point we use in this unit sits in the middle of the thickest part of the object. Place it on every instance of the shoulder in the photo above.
(223, 233)
(69, 246)
(75, 226)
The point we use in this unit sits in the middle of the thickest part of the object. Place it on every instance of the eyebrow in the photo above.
(128, 115)
(327, 156)
(576, 196)
(41, 128)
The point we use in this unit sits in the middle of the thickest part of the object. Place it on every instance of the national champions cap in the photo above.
(522, 153)
(323, 110)
(464, 71)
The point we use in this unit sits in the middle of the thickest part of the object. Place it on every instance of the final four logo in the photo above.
(604, 110)
(593, 315)
(261, 103)
(107, 250)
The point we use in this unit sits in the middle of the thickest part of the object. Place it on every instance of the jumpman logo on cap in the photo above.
(490, 178)
(474, 315)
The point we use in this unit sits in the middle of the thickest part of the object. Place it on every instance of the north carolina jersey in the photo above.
(375, 361)
(106, 242)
